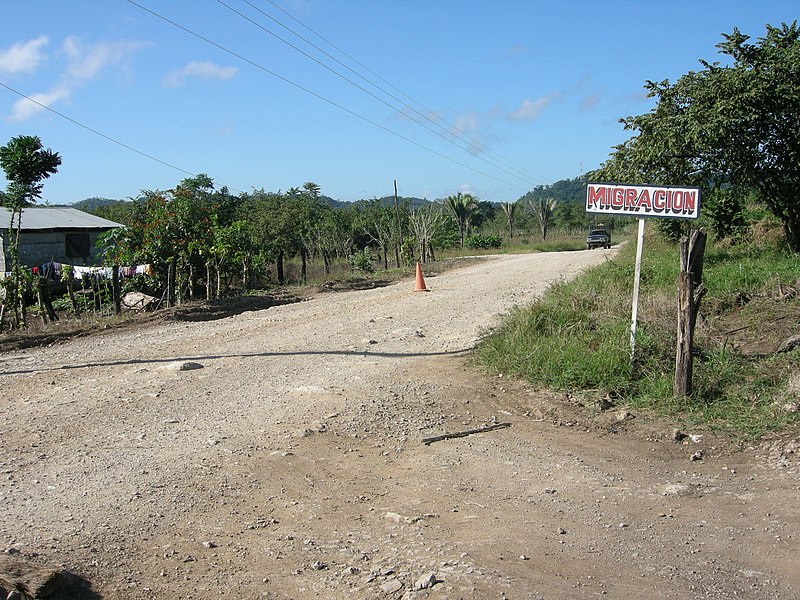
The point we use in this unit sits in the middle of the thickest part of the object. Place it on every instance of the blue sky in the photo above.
(533, 89)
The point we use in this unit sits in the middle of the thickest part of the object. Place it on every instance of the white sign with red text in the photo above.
(643, 201)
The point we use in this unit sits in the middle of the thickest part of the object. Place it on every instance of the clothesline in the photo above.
(53, 270)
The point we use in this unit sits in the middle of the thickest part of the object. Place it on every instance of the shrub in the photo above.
(362, 261)
(483, 242)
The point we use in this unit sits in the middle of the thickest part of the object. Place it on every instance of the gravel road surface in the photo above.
(278, 454)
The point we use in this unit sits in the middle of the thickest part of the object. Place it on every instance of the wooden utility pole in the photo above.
(690, 292)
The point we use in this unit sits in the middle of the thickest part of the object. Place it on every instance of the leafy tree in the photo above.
(232, 251)
(571, 217)
(333, 236)
(377, 221)
(483, 213)
(463, 206)
(26, 163)
(733, 125)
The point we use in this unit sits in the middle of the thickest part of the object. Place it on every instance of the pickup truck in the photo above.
(599, 237)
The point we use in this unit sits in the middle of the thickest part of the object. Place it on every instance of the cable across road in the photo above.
(320, 96)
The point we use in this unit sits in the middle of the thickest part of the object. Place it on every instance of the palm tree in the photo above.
(312, 189)
(543, 209)
(462, 207)
(509, 208)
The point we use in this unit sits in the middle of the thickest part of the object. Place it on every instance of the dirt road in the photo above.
(290, 464)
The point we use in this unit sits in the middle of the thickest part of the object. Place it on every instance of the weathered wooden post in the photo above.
(115, 290)
(690, 292)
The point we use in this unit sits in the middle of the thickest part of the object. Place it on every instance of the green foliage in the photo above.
(557, 343)
(26, 163)
(725, 128)
(483, 242)
(576, 338)
(463, 207)
(362, 262)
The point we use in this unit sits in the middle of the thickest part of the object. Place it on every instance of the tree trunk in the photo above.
(279, 268)
(191, 282)
(171, 283)
(303, 265)
(690, 293)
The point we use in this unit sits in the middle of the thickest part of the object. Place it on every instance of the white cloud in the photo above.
(529, 110)
(84, 63)
(87, 62)
(23, 109)
(23, 57)
(203, 70)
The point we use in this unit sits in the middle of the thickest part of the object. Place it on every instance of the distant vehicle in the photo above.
(599, 237)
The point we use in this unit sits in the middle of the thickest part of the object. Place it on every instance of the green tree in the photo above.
(26, 163)
(377, 221)
(463, 206)
(725, 126)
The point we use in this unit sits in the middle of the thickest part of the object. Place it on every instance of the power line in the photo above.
(106, 137)
(94, 131)
(353, 83)
(317, 95)
(455, 137)
(428, 111)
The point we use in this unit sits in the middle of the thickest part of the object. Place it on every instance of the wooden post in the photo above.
(115, 291)
(690, 292)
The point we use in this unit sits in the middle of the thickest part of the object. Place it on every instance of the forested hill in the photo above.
(564, 190)
(90, 205)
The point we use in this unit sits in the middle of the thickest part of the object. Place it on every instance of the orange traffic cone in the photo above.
(420, 284)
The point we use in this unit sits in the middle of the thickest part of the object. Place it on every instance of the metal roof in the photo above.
(49, 218)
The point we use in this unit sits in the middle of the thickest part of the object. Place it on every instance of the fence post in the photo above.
(690, 292)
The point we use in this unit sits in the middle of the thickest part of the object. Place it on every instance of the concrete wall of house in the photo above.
(37, 248)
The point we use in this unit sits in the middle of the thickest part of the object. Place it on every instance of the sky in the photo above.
(491, 98)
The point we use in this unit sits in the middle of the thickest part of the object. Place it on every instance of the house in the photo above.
(64, 235)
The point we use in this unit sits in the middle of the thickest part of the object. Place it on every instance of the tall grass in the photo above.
(576, 337)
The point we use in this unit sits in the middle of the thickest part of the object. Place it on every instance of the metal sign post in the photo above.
(636, 279)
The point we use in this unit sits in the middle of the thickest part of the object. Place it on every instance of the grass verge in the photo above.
(576, 338)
